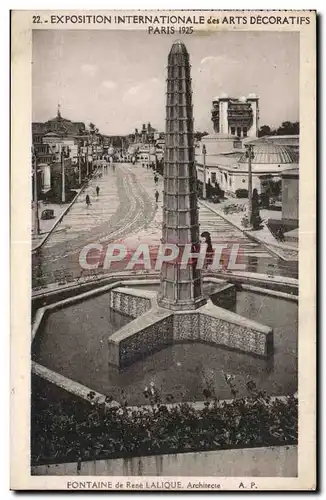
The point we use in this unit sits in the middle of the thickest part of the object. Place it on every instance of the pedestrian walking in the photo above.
(157, 194)
(97, 190)
(88, 200)
(155, 179)
(280, 234)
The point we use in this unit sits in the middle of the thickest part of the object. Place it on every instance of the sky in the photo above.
(116, 79)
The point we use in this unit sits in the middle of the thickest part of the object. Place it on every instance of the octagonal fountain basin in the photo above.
(73, 341)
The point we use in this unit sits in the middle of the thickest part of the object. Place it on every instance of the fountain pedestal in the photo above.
(156, 327)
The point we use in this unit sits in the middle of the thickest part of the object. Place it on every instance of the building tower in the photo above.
(236, 116)
(180, 289)
(143, 134)
(253, 99)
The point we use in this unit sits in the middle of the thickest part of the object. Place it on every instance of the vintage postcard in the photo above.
(163, 250)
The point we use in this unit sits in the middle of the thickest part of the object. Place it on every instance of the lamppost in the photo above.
(63, 183)
(35, 204)
(93, 158)
(92, 132)
(79, 166)
(250, 155)
(204, 167)
(87, 158)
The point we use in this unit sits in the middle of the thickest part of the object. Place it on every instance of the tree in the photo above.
(255, 217)
(288, 128)
(264, 130)
(198, 135)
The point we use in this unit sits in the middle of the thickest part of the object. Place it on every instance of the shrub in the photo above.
(241, 193)
(245, 221)
(234, 208)
(69, 429)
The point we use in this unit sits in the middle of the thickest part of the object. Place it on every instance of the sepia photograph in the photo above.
(164, 219)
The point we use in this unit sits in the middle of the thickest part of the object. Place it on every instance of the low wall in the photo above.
(276, 461)
(155, 337)
(145, 335)
(225, 297)
(68, 385)
(132, 303)
(235, 336)
(223, 328)
(186, 326)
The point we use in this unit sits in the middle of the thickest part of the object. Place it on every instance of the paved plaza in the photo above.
(125, 210)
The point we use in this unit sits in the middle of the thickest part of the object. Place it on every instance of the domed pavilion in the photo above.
(231, 173)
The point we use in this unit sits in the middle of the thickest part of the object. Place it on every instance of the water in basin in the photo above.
(74, 343)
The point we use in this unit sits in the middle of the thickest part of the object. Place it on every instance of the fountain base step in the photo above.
(159, 327)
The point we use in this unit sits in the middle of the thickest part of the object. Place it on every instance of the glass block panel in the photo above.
(172, 235)
(171, 218)
(169, 126)
(163, 269)
(183, 186)
(181, 155)
(170, 201)
(197, 289)
(181, 140)
(182, 202)
(170, 185)
(183, 218)
(182, 170)
(183, 236)
(172, 170)
(170, 271)
(169, 290)
(185, 274)
(184, 291)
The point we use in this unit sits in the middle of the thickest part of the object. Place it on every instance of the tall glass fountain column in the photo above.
(180, 289)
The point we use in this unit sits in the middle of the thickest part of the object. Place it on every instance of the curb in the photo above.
(106, 280)
(81, 391)
(60, 218)
(268, 246)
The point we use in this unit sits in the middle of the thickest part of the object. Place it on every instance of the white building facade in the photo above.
(231, 173)
(238, 117)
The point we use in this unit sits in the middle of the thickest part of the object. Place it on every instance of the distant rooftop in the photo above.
(291, 172)
(242, 98)
(271, 153)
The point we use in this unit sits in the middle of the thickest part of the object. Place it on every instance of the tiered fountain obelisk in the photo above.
(181, 289)
(180, 312)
